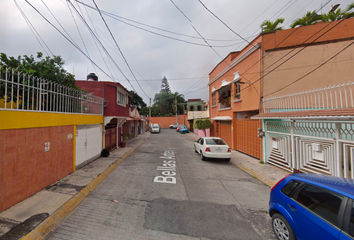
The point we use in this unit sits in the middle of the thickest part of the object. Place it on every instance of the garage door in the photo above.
(88, 143)
(225, 132)
(247, 140)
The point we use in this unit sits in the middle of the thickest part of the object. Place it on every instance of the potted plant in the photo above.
(237, 96)
(126, 137)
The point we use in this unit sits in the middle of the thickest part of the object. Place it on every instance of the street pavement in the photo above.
(120, 188)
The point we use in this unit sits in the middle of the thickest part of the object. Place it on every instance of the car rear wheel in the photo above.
(282, 228)
(202, 156)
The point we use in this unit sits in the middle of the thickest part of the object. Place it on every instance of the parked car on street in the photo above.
(183, 129)
(179, 127)
(212, 147)
(155, 128)
(174, 125)
(312, 206)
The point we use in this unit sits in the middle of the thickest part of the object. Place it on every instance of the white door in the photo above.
(88, 142)
(80, 146)
(94, 141)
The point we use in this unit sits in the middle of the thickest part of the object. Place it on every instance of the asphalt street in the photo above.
(164, 191)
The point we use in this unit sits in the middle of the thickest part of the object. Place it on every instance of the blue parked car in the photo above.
(183, 129)
(312, 206)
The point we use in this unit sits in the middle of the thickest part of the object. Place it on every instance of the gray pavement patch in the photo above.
(59, 186)
(198, 219)
(25, 227)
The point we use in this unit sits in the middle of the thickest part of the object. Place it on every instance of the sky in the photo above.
(145, 39)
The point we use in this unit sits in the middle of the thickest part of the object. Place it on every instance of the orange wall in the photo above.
(284, 80)
(296, 36)
(165, 122)
(25, 168)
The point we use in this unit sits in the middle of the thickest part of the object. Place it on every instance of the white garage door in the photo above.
(88, 143)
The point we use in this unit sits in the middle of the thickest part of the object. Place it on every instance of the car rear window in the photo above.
(289, 188)
(215, 142)
(323, 202)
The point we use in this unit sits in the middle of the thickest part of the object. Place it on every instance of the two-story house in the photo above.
(235, 94)
(116, 110)
(308, 109)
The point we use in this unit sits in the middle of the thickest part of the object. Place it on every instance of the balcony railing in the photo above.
(20, 91)
(333, 97)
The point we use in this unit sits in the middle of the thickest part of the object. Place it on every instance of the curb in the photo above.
(42, 230)
(266, 181)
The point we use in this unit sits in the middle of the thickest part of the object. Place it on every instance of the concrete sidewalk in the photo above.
(266, 173)
(35, 217)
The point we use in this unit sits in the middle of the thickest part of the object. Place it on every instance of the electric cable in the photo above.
(125, 60)
(33, 29)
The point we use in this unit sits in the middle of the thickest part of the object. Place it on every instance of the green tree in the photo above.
(47, 68)
(136, 100)
(309, 19)
(269, 26)
(165, 101)
(202, 124)
(339, 14)
(165, 87)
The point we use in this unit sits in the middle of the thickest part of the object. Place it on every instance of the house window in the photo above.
(121, 98)
(199, 108)
(237, 94)
(213, 99)
(191, 108)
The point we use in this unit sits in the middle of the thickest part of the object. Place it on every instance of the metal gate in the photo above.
(246, 136)
(88, 143)
(111, 138)
(324, 147)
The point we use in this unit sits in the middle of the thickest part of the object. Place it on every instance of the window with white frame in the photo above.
(213, 103)
(237, 81)
(121, 98)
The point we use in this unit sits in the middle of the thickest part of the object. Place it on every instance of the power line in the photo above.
(115, 16)
(77, 47)
(313, 70)
(195, 29)
(223, 22)
(296, 52)
(125, 60)
(33, 30)
(161, 35)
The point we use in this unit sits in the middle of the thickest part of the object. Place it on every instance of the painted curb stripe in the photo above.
(61, 213)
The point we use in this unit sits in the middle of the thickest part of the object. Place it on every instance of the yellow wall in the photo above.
(12, 119)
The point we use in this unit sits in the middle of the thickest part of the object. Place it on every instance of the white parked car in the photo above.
(174, 126)
(155, 128)
(212, 147)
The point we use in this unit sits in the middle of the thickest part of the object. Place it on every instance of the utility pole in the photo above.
(150, 115)
(176, 108)
(184, 111)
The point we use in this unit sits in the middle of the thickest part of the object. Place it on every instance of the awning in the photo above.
(224, 83)
(130, 119)
(343, 113)
(222, 118)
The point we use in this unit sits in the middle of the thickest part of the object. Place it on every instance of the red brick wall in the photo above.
(25, 168)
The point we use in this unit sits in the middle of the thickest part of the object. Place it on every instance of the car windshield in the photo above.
(155, 127)
(215, 142)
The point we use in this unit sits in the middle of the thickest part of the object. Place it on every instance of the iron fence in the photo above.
(20, 91)
(333, 97)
